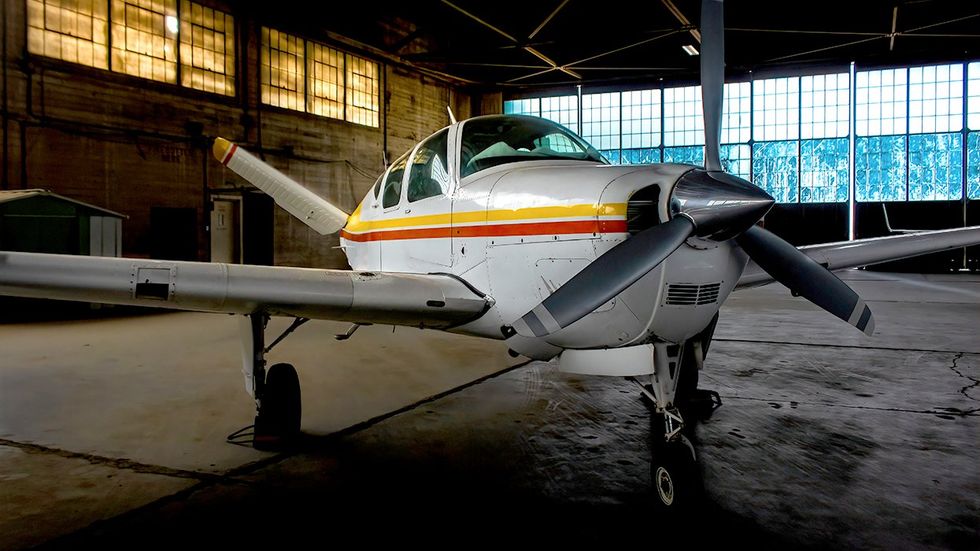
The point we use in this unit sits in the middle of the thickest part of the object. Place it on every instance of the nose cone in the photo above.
(720, 205)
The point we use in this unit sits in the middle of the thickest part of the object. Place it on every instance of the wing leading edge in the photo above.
(864, 252)
(436, 301)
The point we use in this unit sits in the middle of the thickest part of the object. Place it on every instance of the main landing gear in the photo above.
(673, 394)
(278, 402)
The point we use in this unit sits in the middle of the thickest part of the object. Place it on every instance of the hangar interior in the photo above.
(862, 119)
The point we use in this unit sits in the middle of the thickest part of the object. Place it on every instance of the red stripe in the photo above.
(495, 230)
(231, 153)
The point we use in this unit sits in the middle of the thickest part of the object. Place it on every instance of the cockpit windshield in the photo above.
(492, 141)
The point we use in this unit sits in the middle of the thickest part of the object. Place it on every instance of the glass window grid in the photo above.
(362, 91)
(776, 109)
(282, 61)
(935, 167)
(776, 169)
(142, 44)
(973, 165)
(825, 102)
(561, 109)
(936, 98)
(881, 168)
(736, 122)
(527, 106)
(737, 159)
(881, 102)
(824, 173)
(683, 116)
(973, 96)
(325, 80)
(207, 49)
(600, 120)
(76, 32)
(641, 119)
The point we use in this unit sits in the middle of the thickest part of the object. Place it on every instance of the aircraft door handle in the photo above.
(408, 211)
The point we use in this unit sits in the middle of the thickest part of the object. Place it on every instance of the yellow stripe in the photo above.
(355, 224)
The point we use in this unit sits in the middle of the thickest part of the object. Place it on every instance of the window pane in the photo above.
(825, 101)
(393, 184)
(612, 155)
(881, 97)
(936, 167)
(529, 106)
(641, 119)
(776, 108)
(561, 109)
(823, 170)
(70, 31)
(973, 165)
(207, 49)
(775, 168)
(642, 156)
(936, 98)
(879, 168)
(325, 81)
(282, 64)
(973, 97)
(362, 91)
(144, 39)
(690, 155)
(600, 122)
(428, 175)
(736, 116)
(683, 117)
(737, 160)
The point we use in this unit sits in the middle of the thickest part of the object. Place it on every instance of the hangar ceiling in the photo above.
(525, 44)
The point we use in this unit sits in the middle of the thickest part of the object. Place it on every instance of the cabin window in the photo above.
(393, 184)
(429, 173)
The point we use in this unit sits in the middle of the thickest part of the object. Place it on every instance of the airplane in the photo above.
(514, 228)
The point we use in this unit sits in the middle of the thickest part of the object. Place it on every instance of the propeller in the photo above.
(706, 203)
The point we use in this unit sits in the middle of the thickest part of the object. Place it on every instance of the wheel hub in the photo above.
(665, 485)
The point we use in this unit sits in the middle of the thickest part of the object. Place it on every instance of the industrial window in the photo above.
(824, 170)
(973, 96)
(775, 168)
(144, 38)
(561, 109)
(614, 156)
(936, 167)
(529, 106)
(207, 49)
(325, 80)
(880, 164)
(776, 106)
(600, 121)
(641, 156)
(737, 159)
(69, 30)
(362, 91)
(881, 102)
(281, 69)
(683, 117)
(736, 122)
(973, 165)
(641, 120)
(825, 106)
(689, 154)
(936, 98)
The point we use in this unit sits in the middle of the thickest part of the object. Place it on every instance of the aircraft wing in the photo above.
(863, 252)
(436, 301)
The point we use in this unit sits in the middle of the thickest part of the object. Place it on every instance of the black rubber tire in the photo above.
(280, 415)
(675, 478)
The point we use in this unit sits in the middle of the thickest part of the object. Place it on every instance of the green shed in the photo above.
(37, 220)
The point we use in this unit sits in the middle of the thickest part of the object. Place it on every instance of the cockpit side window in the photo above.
(428, 176)
(496, 140)
(393, 184)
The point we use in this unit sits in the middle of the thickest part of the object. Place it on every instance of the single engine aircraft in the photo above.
(514, 228)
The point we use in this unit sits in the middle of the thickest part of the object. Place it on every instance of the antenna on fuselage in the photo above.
(452, 118)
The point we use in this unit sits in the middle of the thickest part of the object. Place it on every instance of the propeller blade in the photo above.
(806, 277)
(605, 278)
(712, 78)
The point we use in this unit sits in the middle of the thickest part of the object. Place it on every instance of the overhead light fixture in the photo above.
(691, 50)
(172, 24)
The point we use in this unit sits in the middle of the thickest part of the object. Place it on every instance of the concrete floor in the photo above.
(112, 433)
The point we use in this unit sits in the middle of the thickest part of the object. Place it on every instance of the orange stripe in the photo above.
(494, 230)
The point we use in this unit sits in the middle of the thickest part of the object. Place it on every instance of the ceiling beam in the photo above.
(547, 19)
(677, 13)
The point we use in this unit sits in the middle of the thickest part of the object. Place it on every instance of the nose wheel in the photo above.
(280, 409)
(674, 475)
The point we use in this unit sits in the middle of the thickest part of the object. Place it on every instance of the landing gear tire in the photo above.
(675, 477)
(277, 424)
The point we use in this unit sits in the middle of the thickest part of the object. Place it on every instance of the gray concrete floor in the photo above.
(112, 434)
